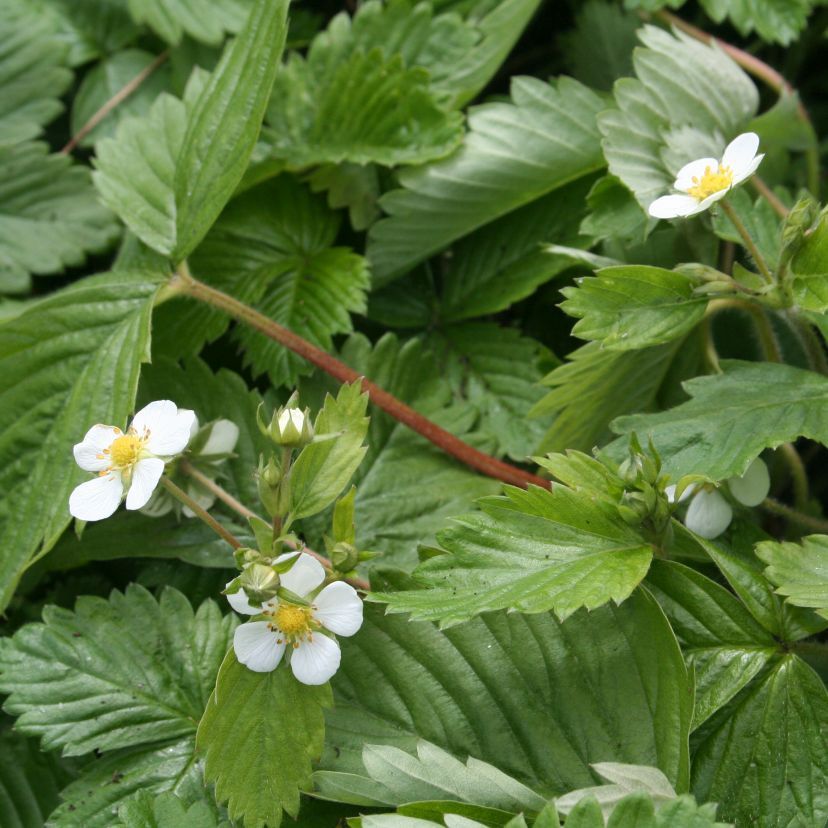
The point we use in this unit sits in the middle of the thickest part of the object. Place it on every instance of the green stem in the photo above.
(773, 506)
(200, 512)
(749, 243)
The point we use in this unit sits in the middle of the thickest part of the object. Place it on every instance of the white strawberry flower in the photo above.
(707, 180)
(314, 656)
(709, 513)
(130, 462)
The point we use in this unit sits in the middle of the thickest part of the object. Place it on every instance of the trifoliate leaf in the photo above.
(686, 97)
(634, 306)
(515, 152)
(97, 334)
(497, 371)
(732, 417)
(32, 73)
(137, 670)
(800, 571)
(204, 21)
(106, 79)
(50, 217)
(530, 551)
(533, 696)
(259, 733)
(323, 468)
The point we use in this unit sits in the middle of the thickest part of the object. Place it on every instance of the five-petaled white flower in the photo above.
(130, 462)
(707, 180)
(708, 513)
(314, 656)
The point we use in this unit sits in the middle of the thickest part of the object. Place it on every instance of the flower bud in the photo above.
(344, 556)
(290, 427)
(260, 582)
(269, 479)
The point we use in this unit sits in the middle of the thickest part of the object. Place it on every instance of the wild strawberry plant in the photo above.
(413, 414)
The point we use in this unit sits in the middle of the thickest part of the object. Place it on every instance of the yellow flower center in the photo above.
(711, 182)
(125, 451)
(293, 621)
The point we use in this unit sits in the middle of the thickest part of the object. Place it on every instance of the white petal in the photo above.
(97, 499)
(194, 426)
(338, 608)
(305, 575)
(315, 661)
(749, 170)
(145, 476)
(156, 416)
(709, 514)
(257, 647)
(695, 169)
(753, 486)
(238, 600)
(670, 491)
(740, 152)
(169, 428)
(673, 206)
(712, 199)
(90, 457)
(223, 438)
(101, 436)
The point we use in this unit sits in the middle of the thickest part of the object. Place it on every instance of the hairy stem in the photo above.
(773, 506)
(200, 512)
(118, 98)
(748, 241)
(478, 460)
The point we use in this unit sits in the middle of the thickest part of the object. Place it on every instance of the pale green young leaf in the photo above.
(766, 752)
(732, 417)
(515, 152)
(531, 695)
(205, 21)
(800, 571)
(497, 371)
(225, 121)
(50, 218)
(153, 686)
(258, 735)
(33, 72)
(634, 306)
(809, 270)
(322, 469)
(687, 100)
(530, 551)
(66, 363)
(106, 79)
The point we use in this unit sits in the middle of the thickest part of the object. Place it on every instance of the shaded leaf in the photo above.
(800, 571)
(204, 21)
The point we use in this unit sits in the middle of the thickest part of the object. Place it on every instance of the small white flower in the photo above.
(130, 462)
(709, 514)
(707, 180)
(314, 658)
(292, 417)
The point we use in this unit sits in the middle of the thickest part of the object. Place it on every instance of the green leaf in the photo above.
(396, 777)
(105, 80)
(809, 270)
(595, 387)
(614, 212)
(760, 220)
(152, 686)
(224, 123)
(777, 21)
(32, 73)
(766, 755)
(634, 306)
(515, 152)
(800, 571)
(497, 371)
(272, 248)
(66, 363)
(50, 216)
(165, 811)
(531, 551)
(504, 261)
(533, 696)
(322, 469)
(731, 418)
(29, 781)
(204, 21)
(686, 101)
(723, 644)
(259, 733)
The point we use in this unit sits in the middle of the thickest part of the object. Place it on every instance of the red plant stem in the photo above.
(118, 98)
(478, 460)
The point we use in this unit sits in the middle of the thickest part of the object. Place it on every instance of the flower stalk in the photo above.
(748, 240)
(178, 493)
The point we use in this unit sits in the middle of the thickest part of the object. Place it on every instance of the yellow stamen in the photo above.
(125, 451)
(293, 621)
(711, 182)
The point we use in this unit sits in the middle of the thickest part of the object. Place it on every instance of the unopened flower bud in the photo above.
(259, 582)
(344, 556)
